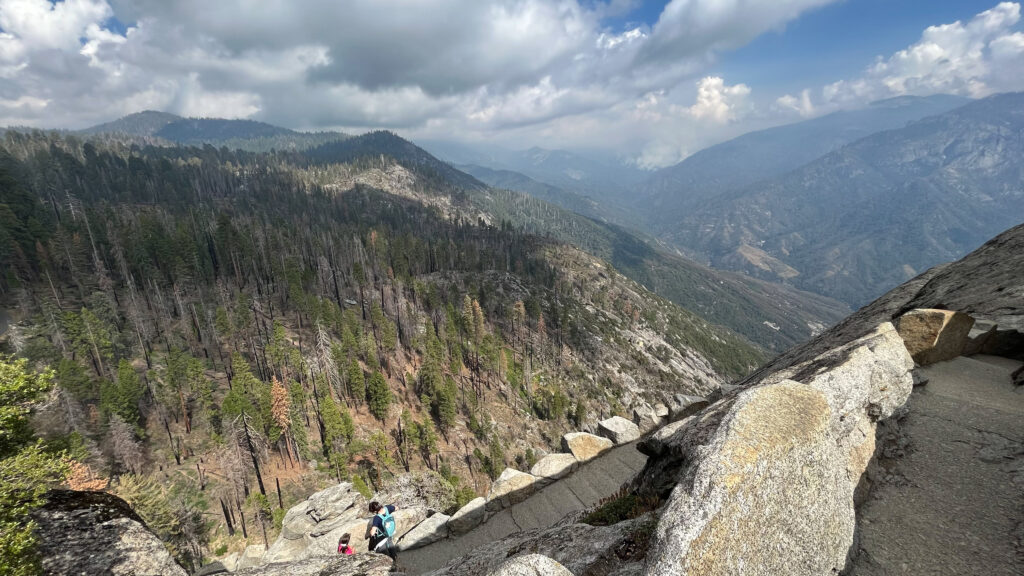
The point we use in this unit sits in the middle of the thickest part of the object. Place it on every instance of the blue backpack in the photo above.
(388, 521)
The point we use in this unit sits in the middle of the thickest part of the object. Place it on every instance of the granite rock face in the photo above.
(510, 488)
(531, 565)
(618, 430)
(98, 533)
(932, 335)
(585, 446)
(767, 497)
(469, 516)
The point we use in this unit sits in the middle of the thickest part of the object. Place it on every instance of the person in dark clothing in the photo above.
(381, 528)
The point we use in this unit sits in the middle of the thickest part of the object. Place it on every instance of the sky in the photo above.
(651, 81)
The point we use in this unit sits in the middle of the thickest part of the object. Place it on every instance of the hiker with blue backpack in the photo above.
(382, 529)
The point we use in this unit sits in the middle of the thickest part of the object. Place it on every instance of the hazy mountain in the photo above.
(146, 123)
(597, 175)
(511, 180)
(674, 191)
(242, 134)
(872, 214)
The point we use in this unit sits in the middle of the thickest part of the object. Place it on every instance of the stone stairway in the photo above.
(594, 481)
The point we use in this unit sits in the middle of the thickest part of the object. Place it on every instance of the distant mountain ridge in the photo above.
(876, 212)
(671, 192)
(234, 133)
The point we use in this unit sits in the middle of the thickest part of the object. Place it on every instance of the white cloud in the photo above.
(802, 105)
(977, 58)
(717, 102)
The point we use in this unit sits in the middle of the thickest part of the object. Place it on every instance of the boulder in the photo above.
(97, 533)
(933, 335)
(618, 430)
(682, 405)
(531, 565)
(646, 417)
(510, 488)
(212, 568)
(661, 411)
(552, 467)
(336, 565)
(429, 531)
(763, 481)
(468, 517)
(230, 561)
(768, 495)
(252, 556)
(585, 446)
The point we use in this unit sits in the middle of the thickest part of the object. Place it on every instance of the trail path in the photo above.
(954, 504)
(594, 481)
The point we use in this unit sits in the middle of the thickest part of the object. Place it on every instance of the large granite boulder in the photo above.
(98, 533)
(768, 496)
(531, 565)
(763, 481)
(426, 532)
(468, 517)
(682, 405)
(618, 430)
(426, 489)
(510, 488)
(552, 467)
(336, 565)
(585, 446)
(647, 417)
(933, 335)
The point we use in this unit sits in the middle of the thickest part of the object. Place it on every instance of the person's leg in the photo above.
(391, 549)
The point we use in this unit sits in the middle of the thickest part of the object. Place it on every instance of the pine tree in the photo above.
(379, 396)
(356, 381)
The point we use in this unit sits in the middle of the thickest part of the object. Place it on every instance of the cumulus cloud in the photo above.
(977, 58)
(501, 65)
(718, 102)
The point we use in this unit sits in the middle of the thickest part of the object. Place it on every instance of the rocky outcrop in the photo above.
(510, 488)
(531, 565)
(618, 430)
(585, 446)
(469, 516)
(933, 335)
(552, 467)
(98, 533)
(764, 479)
(312, 527)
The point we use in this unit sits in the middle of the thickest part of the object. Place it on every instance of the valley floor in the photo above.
(954, 503)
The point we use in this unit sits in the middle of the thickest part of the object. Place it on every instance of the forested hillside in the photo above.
(230, 330)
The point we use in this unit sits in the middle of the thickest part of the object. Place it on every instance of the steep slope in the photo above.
(670, 192)
(874, 213)
(512, 180)
(773, 316)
